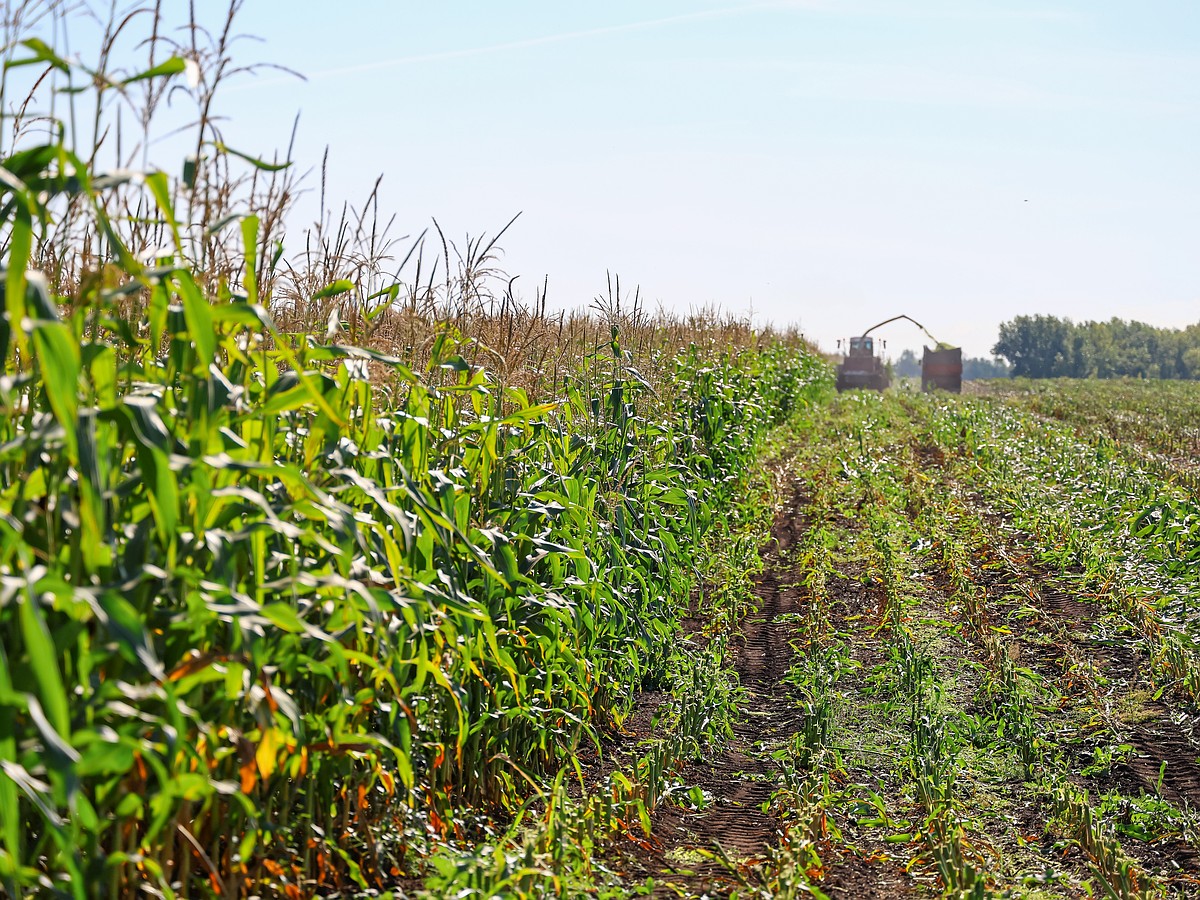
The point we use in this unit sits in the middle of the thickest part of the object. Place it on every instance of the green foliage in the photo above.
(976, 368)
(1049, 347)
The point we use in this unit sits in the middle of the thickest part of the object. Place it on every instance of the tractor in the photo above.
(861, 368)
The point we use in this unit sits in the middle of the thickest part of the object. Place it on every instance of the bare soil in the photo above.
(739, 780)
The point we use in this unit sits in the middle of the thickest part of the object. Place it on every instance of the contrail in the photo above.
(548, 39)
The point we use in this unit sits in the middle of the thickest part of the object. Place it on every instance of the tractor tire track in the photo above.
(741, 779)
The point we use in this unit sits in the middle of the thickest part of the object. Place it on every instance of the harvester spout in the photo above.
(936, 342)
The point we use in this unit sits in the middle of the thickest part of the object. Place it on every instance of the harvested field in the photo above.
(930, 706)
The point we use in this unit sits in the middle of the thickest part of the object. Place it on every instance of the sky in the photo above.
(813, 162)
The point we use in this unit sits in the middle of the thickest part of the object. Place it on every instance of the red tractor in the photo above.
(861, 368)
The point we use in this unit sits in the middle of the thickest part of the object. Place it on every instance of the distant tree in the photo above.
(1036, 346)
(1049, 347)
(907, 366)
(976, 367)
(1190, 361)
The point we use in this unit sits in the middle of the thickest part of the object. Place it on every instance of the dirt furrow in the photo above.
(684, 852)
(1164, 760)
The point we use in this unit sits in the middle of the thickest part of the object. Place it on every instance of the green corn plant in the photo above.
(337, 606)
(1118, 873)
(287, 614)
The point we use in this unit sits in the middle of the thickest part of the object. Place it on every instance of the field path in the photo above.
(726, 848)
(739, 781)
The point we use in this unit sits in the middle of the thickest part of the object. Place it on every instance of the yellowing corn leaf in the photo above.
(267, 753)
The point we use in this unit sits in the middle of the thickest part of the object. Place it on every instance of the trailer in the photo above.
(942, 369)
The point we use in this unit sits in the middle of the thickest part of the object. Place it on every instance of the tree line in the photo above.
(1050, 347)
(909, 366)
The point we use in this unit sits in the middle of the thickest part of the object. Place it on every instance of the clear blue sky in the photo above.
(831, 163)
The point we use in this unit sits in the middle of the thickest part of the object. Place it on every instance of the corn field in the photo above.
(351, 573)
(276, 608)
(280, 610)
